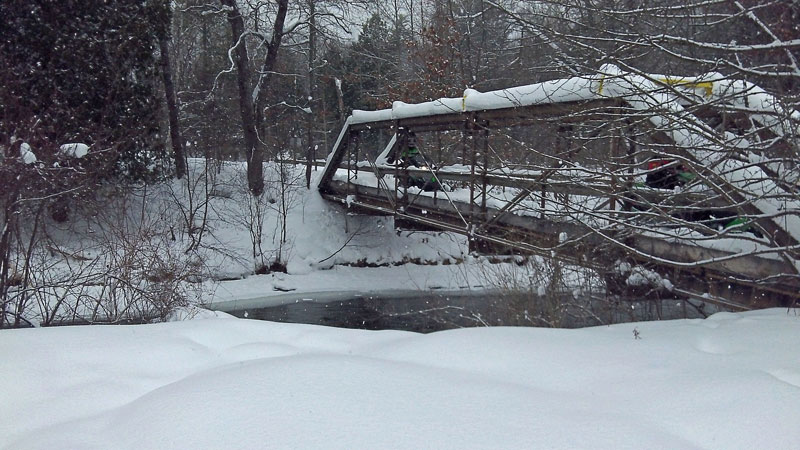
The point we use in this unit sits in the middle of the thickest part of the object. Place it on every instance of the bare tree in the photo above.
(312, 88)
(239, 56)
(172, 107)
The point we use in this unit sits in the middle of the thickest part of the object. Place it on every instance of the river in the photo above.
(428, 311)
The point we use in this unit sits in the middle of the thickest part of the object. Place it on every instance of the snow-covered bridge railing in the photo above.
(693, 178)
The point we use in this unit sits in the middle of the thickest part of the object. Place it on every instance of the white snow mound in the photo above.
(728, 382)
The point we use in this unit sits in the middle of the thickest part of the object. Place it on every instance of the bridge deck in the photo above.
(708, 273)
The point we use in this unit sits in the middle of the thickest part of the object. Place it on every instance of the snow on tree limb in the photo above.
(75, 150)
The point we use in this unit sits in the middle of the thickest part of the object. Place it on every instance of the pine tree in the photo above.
(84, 71)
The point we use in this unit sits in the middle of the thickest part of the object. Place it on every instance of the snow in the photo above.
(402, 110)
(271, 290)
(642, 277)
(27, 155)
(695, 137)
(728, 382)
(556, 91)
(566, 90)
(640, 90)
(317, 231)
(323, 243)
(360, 116)
(74, 150)
(763, 107)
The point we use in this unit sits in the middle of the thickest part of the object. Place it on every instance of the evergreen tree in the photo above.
(84, 71)
(371, 67)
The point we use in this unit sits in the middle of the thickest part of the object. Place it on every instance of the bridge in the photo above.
(693, 181)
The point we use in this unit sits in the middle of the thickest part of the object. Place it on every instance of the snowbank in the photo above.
(729, 382)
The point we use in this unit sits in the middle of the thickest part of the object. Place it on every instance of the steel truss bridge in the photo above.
(560, 169)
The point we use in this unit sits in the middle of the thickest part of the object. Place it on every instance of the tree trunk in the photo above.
(269, 63)
(255, 154)
(10, 216)
(312, 56)
(172, 107)
(340, 100)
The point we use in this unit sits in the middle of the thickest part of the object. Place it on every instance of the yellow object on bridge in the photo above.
(706, 86)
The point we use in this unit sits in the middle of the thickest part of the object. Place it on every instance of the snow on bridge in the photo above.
(572, 183)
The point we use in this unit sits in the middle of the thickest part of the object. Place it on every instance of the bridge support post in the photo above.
(485, 168)
(470, 136)
(352, 156)
(401, 175)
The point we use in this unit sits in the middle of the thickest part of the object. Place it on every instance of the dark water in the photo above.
(427, 312)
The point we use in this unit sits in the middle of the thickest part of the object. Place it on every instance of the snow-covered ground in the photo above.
(97, 265)
(728, 382)
(140, 235)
